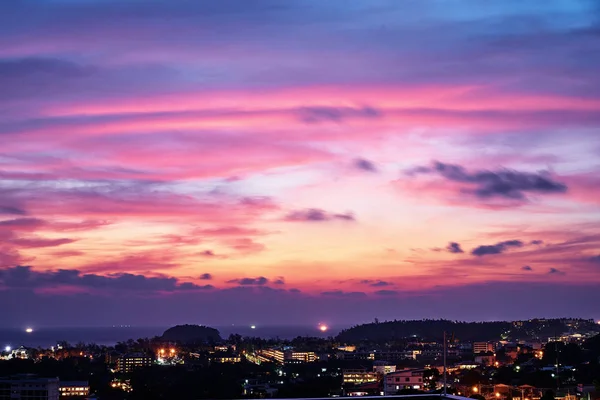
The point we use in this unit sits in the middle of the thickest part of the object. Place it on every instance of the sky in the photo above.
(298, 161)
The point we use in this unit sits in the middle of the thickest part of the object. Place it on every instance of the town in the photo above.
(377, 359)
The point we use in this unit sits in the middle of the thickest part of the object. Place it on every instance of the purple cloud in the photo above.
(335, 114)
(365, 165)
(497, 248)
(503, 184)
(341, 293)
(26, 277)
(454, 247)
(375, 283)
(259, 281)
(317, 215)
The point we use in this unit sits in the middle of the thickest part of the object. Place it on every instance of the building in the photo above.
(226, 358)
(28, 387)
(301, 356)
(74, 388)
(383, 368)
(128, 362)
(403, 379)
(272, 355)
(356, 355)
(288, 356)
(366, 389)
(483, 347)
(358, 376)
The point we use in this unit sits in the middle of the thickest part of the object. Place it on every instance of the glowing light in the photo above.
(29, 330)
(475, 389)
(497, 394)
(252, 326)
(7, 349)
(172, 351)
(323, 328)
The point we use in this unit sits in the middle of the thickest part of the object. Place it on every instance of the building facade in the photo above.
(358, 376)
(74, 388)
(403, 379)
(128, 362)
(483, 347)
(28, 387)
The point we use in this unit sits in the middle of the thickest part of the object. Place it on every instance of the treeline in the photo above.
(428, 329)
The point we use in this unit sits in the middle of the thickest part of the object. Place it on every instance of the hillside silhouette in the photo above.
(192, 334)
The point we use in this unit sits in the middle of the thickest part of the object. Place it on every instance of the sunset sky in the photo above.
(298, 161)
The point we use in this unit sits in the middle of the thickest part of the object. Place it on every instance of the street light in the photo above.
(497, 395)
(475, 389)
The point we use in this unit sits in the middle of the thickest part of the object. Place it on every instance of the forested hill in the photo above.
(465, 331)
(427, 329)
(192, 334)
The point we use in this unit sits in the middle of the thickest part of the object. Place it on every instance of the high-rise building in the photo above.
(28, 387)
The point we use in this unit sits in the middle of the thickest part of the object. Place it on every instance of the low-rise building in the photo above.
(28, 387)
(483, 347)
(226, 358)
(74, 388)
(301, 356)
(383, 367)
(287, 356)
(403, 379)
(358, 376)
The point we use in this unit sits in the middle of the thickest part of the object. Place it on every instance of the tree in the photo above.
(431, 376)
(549, 395)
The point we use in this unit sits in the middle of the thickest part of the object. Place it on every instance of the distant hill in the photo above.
(192, 334)
(465, 331)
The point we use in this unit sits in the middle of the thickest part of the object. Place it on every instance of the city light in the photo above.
(475, 389)
(323, 328)
(497, 394)
(29, 330)
(7, 349)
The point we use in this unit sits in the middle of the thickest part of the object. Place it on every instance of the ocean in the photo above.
(108, 336)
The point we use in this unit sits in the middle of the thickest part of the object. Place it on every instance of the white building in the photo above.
(403, 379)
(28, 387)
